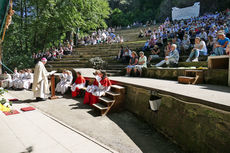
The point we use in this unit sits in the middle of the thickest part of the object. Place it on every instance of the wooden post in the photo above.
(53, 96)
(0, 56)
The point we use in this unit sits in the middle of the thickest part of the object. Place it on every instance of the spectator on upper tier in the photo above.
(126, 55)
(185, 44)
(199, 49)
(220, 46)
(132, 63)
(172, 59)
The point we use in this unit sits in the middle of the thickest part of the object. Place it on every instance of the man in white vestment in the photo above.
(40, 81)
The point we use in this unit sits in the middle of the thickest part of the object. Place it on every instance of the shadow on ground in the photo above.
(146, 138)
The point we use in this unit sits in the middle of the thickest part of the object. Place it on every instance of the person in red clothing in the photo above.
(100, 86)
(79, 84)
(90, 88)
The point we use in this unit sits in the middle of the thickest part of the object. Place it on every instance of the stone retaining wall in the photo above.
(214, 76)
(196, 128)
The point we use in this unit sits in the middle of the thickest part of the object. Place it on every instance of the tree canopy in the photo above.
(41, 24)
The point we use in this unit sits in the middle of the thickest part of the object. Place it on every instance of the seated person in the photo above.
(62, 81)
(79, 84)
(146, 45)
(228, 49)
(141, 64)
(100, 86)
(132, 63)
(185, 44)
(120, 53)
(67, 83)
(15, 77)
(220, 46)
(199, 49)
(141, 34)
(168, 48)
(172, 58)
(126, 55)
(210, 44)
(7, 82)
(154, 53)
(28, 79)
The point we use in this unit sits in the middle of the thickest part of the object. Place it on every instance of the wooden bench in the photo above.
(192, 77)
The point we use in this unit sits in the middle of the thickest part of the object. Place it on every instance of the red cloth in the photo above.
(15, 99)
(25, 109)
(87, 98)
(93, 99)
(106, 82)
(11, 112)
(80, 80)
(76, 92)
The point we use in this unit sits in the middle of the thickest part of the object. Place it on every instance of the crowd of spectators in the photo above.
(54, 53)
(207, 35)
(101, 37)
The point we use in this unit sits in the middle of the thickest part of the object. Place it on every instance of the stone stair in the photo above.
(112, 101)
(80, 57)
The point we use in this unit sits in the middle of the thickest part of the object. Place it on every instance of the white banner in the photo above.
(186, 13)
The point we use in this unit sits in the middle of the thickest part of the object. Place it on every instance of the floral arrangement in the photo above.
(5, 104)
(97, 63)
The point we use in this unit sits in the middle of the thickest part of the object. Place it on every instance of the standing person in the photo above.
(79, 84)
(40, 82)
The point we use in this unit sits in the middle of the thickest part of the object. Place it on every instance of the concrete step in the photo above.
(65, 65)
(193, 64)
(100, 106)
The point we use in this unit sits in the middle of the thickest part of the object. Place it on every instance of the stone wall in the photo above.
(196, 128)
(214, 76)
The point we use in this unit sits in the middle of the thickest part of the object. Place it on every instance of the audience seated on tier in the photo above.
(66, 79)
(78, 85)
(220, 46)
(142, 63)
(126, 55)
(99, 87)
(210, 44)
(172, 59)
(199, 49)
(132, 63)
(155, 53)
(185, 44)
(7, 81)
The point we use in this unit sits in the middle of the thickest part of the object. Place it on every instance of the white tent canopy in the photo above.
(187, 12)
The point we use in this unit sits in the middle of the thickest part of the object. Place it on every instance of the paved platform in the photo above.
(121, 131)
(210, 95)
(41, 133)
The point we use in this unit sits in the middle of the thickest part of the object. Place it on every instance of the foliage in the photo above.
(4, 101)
(38, 25)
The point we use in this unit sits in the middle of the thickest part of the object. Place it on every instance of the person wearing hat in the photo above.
(220, 46)
(172, 58)
(40, 83)
(199, 49)
(141, 64)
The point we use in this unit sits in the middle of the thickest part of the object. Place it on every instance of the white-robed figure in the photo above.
(62, 77)
(15, 78)
(22, 77)
(67, 83)
(7, 82)
(28, 79)
(40, 82)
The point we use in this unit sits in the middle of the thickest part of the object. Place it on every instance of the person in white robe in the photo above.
(22, 78)
(67, 83)
(28, 79)
(7, 82)
(40, 81)
(62, 77)
(15, 78)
